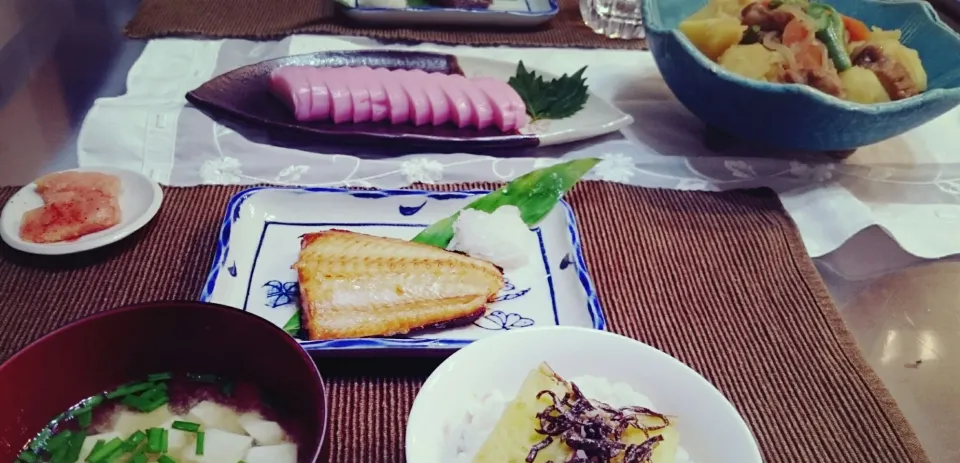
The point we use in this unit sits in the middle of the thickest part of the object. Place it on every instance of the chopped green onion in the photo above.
(58, 441)
(130, 389)
(115, 455)
(60, 454)
(154, 393)
(132, 401)
(88, 405)
(202, 378)
(105, 451)
(100, 443)
(76, 444)
(139, 457)
(160, 376)
(200, 438)
(134, 440)
(163, 440)
(84, 418)
(154, 440)
(28, 457)
(185, 426)
(165, 459)
(159, 402)
(150, 400)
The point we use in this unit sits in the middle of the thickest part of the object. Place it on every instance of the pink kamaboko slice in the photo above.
(341, 101)
(481, 105)
(509, 113)
(397, 99)
(358, 83)
(439, 109)
(291, 86)
(379, 104)
(413, 82)
(320, 101)
(361, 94)
(452, 86)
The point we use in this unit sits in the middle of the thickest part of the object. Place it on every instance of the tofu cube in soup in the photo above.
(215, 416)
(177, 439)
(263, 432)
(283, 453)
(219, 447)
(129, 421)
(91, 441)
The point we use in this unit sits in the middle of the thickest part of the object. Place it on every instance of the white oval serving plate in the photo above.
(140, 199)
(243, 95)
(710, 428)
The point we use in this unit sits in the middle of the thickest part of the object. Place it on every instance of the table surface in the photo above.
(907, 322)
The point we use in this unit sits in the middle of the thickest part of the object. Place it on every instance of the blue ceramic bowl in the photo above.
(793, 116)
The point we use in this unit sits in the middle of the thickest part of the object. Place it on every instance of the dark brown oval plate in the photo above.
(242, 95)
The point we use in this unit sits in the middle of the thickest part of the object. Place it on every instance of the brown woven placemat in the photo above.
(273, 19)
(719, 280)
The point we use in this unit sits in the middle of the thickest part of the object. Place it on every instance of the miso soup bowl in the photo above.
(798, 117)
(101, 351)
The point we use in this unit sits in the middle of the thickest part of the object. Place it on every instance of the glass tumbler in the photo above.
(618, 19)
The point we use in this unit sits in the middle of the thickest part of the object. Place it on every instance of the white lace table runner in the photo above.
(908, 186)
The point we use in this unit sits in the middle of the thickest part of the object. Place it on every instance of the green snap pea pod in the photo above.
(831, 32)
(535, 194)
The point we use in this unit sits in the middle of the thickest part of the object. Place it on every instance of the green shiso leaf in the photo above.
(292, 326)
(535, 194)
(554, 99)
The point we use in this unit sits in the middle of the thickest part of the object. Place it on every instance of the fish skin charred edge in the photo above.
(318, 334)
(315, 327)
(372, 259)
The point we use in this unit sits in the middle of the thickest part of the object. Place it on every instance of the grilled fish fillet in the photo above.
(357, 285)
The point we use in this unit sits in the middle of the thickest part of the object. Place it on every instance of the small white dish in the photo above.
(140, 199)
(709, 426)
(502, 13)
(259, 242)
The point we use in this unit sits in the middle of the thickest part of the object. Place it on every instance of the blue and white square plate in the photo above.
(259, 242)
(500, 13)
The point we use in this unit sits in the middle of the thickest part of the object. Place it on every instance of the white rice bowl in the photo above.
(463, 399)
(466, 436)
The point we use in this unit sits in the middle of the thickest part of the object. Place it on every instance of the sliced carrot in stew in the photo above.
(795, 33)
(856, 29)
(806, 51)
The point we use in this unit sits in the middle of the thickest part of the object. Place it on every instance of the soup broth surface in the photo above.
(167, 418)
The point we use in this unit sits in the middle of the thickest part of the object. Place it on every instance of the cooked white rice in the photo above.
(483, 412)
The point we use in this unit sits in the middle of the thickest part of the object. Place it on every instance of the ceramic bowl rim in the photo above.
(80, 322)
(441, 372)
(804, 91)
